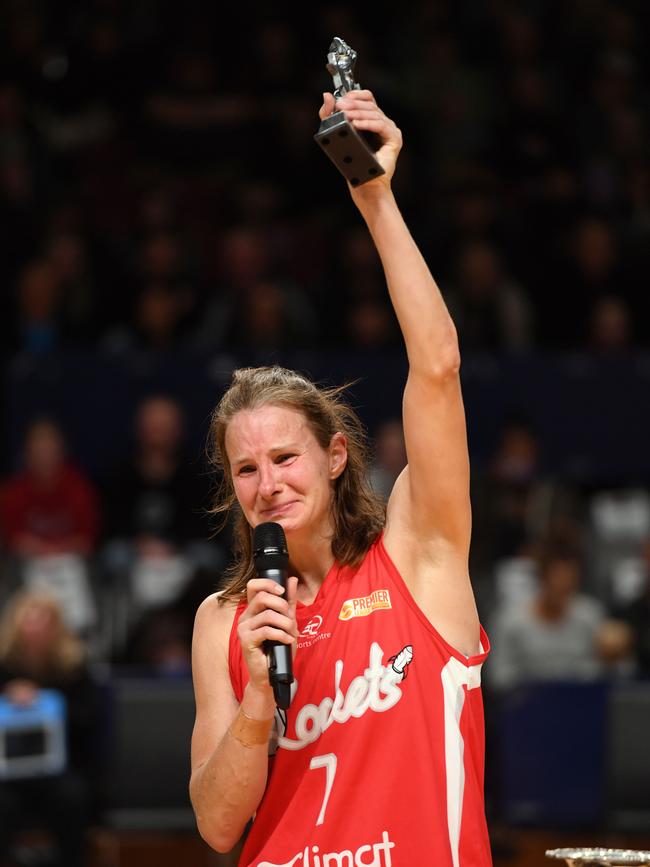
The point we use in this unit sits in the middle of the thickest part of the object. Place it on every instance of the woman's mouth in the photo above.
(277, 510)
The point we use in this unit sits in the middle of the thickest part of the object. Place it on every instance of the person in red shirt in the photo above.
(378, 761)
(49, 507)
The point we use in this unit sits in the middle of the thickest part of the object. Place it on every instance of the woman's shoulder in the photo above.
(216, 612)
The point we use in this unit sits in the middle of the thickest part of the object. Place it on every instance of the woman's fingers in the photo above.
(256, 585)
(266, 633)
(352, 99)
(363, 112)
(264, 601)
(328, 106)
(270, 618)
(357, 99)
(365, 96)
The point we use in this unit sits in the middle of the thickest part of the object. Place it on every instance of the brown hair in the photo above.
(67, 652)
(358, 513)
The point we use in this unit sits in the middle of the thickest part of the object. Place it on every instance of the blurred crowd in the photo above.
(160, 192)
(159, 187)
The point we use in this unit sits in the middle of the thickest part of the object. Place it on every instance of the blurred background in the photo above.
(166, 217)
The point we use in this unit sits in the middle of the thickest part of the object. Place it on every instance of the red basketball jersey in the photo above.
(379, 759)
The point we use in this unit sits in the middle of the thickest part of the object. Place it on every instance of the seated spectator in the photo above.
(370, 325)
(37, 651)
(67, 254)
(610, 329)
(156, 505)
(49, 507)
(390, 456)
(160, 642)
(38, 326)
(157, 321)
(49, 522)
(560, 635)
(491, 311)
(511, 497)
(595, 268)
(271, 317)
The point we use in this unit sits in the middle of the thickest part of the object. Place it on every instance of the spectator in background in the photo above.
(159, 311)
(561, 635)
(39, 325)
(163, 258)
(594, 269)
(157, 536)
(49, 522)
(515, 505)
(37, 652)
(154, 498)
(596, 257)
(66, 253)
(390, 456)
(49, 507)
(510, 490)
(611, 331)
(272, 317)
(370, 324)
(533, 138)
(491, 311)
(244, 260)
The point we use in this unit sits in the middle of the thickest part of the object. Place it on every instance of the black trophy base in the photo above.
(348, 150)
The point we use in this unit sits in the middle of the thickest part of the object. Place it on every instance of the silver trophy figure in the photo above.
(351, 152)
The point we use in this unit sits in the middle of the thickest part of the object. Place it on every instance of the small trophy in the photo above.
(350, 151)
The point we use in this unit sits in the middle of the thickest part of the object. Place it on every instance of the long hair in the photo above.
(66, 653)
(358, 513)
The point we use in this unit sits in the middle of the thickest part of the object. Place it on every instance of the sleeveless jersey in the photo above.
(379, 759)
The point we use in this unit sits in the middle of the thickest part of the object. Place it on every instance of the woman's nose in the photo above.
(269, 480)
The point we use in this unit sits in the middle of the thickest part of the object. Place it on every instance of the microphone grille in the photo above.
(269, 538)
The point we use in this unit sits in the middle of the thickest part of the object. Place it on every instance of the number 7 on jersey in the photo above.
(328, 761)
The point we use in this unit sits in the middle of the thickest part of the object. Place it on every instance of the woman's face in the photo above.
(280, 472)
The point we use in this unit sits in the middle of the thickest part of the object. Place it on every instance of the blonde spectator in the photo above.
(38, 651)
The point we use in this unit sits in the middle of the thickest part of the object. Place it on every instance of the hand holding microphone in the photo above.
(271, 560)
(267, 629)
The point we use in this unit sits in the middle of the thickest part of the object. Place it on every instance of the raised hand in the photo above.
(363, 112)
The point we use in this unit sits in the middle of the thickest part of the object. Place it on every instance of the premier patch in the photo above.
(362, 606)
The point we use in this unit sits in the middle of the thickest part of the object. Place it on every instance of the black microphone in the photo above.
(271, 560)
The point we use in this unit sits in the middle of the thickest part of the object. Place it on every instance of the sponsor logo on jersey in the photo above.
(311, 856)
(311, 633)
(377, 689)
(313, 626)
(362, 606)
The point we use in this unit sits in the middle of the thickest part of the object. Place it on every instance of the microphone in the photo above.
(271, 560)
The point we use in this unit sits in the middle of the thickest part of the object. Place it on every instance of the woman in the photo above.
(38, 651)
(380, 609)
